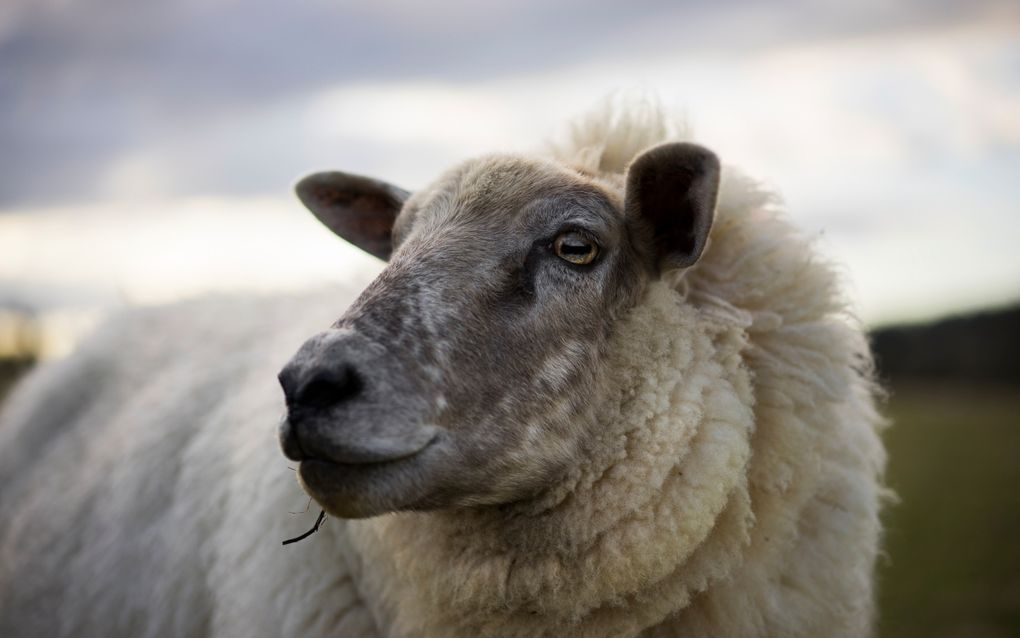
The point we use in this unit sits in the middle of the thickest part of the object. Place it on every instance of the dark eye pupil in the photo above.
(575, 248)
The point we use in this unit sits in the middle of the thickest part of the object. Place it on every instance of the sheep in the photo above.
(605, 390)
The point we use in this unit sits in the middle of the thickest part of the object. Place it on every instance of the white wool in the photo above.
(611, 135)
(735, 491)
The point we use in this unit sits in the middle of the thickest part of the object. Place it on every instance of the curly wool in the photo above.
(733, 491)
(735, 488)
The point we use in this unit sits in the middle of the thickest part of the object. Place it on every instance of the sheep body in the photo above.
(735, 491)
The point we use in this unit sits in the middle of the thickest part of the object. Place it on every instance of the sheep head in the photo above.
(469, 372)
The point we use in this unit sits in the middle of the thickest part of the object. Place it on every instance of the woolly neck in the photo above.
(656, 525)
(621, 549)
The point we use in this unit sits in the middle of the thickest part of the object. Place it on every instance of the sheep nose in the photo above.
(321, 384)
(340, 389)
(323, 387)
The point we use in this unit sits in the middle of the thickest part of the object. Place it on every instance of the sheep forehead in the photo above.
(495, 189)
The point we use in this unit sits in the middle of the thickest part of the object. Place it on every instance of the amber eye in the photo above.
(575, 248)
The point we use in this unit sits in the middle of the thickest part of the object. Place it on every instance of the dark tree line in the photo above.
(983, 347)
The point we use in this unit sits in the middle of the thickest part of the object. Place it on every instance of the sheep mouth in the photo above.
(371, 487)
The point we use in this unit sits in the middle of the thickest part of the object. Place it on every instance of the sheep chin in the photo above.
(363, 490)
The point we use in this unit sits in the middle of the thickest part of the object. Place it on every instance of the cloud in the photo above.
(891, 129)
(176, 249)
(85, 85)
(819, 116)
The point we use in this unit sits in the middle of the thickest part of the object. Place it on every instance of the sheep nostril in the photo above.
(329, 387)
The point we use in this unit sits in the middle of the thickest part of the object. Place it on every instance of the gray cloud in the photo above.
(84, 83)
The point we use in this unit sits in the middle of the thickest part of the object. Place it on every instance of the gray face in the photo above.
(467, 372)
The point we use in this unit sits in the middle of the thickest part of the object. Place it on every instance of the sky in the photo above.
(148, 149)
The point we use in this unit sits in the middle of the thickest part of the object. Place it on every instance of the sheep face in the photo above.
(468, 373)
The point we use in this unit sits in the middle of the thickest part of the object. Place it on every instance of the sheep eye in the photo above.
(575, 248)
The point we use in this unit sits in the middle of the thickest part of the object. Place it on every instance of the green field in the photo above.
(952, 564)
(953, 541)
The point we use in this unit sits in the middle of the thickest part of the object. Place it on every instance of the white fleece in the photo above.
(734, 490)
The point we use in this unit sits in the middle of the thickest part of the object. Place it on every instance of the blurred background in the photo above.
(147, 151)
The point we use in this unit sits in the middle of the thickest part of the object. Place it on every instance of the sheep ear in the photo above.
(359, 209)
(672, 189)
